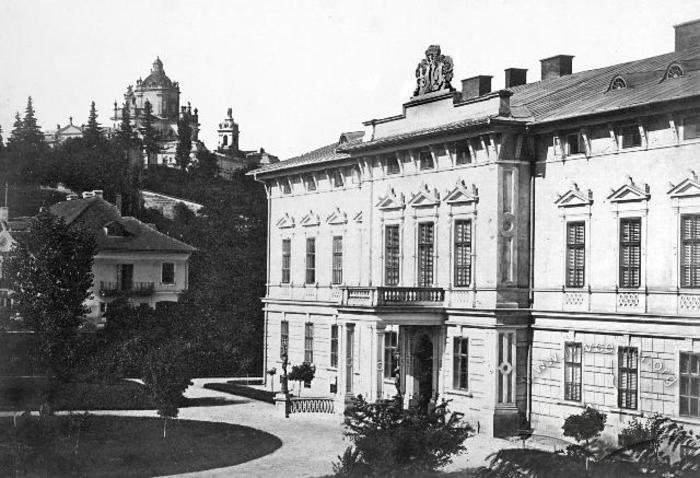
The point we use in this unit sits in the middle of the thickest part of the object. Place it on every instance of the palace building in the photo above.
(523, 253)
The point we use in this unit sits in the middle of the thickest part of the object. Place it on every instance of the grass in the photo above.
(19, 394)
(110, 446)
(243, 391)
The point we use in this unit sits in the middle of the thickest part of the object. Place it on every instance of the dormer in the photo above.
(617, 83)
(115, 229)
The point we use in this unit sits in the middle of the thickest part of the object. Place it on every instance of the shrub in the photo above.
(585, 426)
(303, 373)
(391, 441)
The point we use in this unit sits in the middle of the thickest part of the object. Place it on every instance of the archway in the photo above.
(424, 371)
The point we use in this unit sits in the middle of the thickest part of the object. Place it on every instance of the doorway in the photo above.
(424, 371)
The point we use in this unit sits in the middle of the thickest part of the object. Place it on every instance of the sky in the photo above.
(298, 73)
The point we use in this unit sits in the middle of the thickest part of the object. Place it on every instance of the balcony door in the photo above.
(424, 371)
(125, 276)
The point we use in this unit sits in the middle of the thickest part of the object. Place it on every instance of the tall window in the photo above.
(167, 273)
(334, 346)
(460, 363)
(310, 260)
(425, 254)
(572, 371)
(392, 256)
(690, 385)
(286, 260)
(337, 260)
(630, 251)
(575, 253)
(284, 338)
(690, 250)
(426, 160)
(463, 253)
(125, 276)
(627, 360)
(462, 153)
(391, 349)
(309, 342)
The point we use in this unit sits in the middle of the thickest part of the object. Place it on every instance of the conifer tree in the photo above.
(2, 142)
(148, 132)
(31, 133)
(126, 132)
(93, 132)
(184, 142)
(16, 133)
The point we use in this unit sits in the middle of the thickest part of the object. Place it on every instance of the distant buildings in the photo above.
(164, 96)
(523, 253)
(61, 134)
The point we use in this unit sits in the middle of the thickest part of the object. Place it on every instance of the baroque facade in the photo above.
(523, 252)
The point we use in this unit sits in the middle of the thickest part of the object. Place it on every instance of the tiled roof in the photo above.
(321, 155)
(94, 213)
(576, 95)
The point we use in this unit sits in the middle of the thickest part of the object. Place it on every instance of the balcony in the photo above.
(387, 296)
(114, 289)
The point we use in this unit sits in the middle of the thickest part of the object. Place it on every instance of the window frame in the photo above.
(334, 346)
(462, 147)
(389, 162)
(392, 255)
(571, 248)
(689, 270)
(391, 349)
(689, 377)
(337, 260)
(309, 342)
(162, 273)
(625, 280)
(686, 121)
(573, 389)
(336, 177)
(286, 186)
(425, 254)
(310, 263)
(284, 338)
(286, 261)
(580, 145)
(627, 366)
(623, 133)
(310, 183)
(426, 161)
(462, 273)
(460, 361)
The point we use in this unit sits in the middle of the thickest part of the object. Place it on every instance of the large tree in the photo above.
(51, 268)
(184, 141)
(26, 150)
(93, 132)
(126, 132)
(31, 133)
(148, 132)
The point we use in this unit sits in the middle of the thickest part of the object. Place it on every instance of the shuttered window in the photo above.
(572, 371)
(460, 363)
(337, 259)
(690, 385)
(309, 342)
(425, 254)
(690, 250)
(392, 256)
(630, 251)
(575, 254)
(463, 253)
(334, 346)
(627, 360)
(286, 260)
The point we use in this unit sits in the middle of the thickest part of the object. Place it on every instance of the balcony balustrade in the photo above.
(393, 295)
(112, 289)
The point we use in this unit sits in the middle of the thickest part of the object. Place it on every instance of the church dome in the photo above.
(157, 78)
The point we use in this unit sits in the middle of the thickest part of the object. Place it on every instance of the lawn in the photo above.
(110, 446)
(18, 394)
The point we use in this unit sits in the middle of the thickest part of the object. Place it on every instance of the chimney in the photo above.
(4, 213)
(687, 34)
(118, 203)
(556, 66)
(476, 86)
(516, 77)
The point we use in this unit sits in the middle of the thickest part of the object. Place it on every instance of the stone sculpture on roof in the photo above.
(434, 72)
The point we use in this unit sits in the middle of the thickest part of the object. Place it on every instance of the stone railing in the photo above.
(390, 295)
(310, 405)
(111, 289)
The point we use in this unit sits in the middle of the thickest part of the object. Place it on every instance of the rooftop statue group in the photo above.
(434, 72)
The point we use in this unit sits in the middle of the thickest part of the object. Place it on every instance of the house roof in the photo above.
(96, 213)
(579, 94)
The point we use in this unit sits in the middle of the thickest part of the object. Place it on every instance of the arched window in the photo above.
(225, 141)
(674, 71)
(618, 83)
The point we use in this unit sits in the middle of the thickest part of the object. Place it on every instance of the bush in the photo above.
(585, 426)
(391, 441)
(302, 373)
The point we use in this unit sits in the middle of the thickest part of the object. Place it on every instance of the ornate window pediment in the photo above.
(575, 197)
(337, 217)
(391, 201)
(462, 195)
(285, 222)
(310, 219)
(689, 187)
(630, 192)
(357, 217)
(425, 197)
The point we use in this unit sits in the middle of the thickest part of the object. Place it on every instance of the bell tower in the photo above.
(228, 133)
